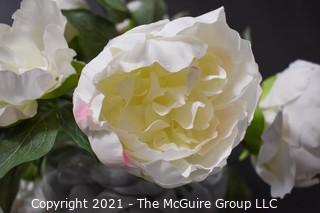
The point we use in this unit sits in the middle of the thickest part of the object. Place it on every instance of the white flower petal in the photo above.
(275, 164)
(53, 39)
(19, 54)
(148, 28)
(4, 29)
(33, 18)
(178, 25)
(10, 114)
(290, 154)
(288, 86)
(34, 58)
(308, 167)
(171, 54)
(102, 142)
(186, 114)
(30, 85)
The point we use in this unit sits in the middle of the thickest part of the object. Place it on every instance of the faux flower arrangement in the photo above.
(164, 100)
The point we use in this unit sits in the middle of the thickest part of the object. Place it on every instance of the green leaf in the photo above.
(31, 172)
(94, 32)
(150, 11)
(29, 140)
(71, 129)
(69, 84)
(237, 187)
(116, 10)
(267, 85)
(244, 154)
(252, 139)
(78, 66)
(9, 185)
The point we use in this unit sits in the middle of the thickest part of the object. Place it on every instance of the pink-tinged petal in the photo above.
(126, 160)
(82, 112)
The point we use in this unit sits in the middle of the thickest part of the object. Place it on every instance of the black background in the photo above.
(282, 31)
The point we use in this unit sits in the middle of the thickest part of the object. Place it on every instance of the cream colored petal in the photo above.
(62, 64)
(53, 39)
(4, 28)
(132, 118)
(155, 89)
(19, 54)
(30, 85)
(172, 99)
(10, 114)
(186, 114)
(34, 16)
(56, 48)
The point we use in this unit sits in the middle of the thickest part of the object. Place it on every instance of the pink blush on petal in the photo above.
(126, 160)
(82, 112)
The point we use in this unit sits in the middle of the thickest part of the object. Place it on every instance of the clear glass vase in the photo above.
(73, 174)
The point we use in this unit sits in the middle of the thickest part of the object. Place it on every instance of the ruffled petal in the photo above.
(289, 85)
(171, 54)
(10, 114)
(107, 147)
(34, 16)
(30, 85)
(274, 163)
(179, 25)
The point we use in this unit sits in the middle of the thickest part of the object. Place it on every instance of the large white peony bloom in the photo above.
(290, 154)
(170, 100)
(34, 59)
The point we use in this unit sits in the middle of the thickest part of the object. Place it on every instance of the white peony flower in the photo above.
(34, 59)
(290, 154)
(170, 100)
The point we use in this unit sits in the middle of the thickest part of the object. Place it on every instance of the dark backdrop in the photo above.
(282, 31)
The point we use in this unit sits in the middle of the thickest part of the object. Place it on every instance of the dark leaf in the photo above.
(150, 11)
(71, 129)
(9, 186)
(267, 85)
(253, 140)
(29, 140)
(116, 10)
(94, 32)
